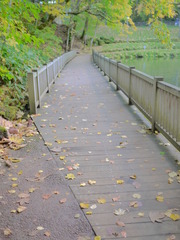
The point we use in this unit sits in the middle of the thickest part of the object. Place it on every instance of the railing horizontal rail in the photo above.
(40, 80)
(157, 100)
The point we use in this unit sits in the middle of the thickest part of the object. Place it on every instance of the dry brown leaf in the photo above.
(23, 195)
(46, 196)
(120, 224)
(47, 234)
(63, 200)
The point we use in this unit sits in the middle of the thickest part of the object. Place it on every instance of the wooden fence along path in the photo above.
(158, 101)
(125, 179)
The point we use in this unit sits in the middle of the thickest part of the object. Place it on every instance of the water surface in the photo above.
(168, 68)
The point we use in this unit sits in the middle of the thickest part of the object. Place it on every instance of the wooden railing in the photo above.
(157, 100)
(40, 80)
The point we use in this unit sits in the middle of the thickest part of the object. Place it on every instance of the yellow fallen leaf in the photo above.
(97, 238)
(31, 190)
(14, 179)
(11, 191)
(141, 214)
(170, 180)
(70, 176)
(62, 157)
(88, 213)
(13, 211)
(21, 209)
(84, 205)
(160, 198)
(40, 171)
(82, 184)
(153, 169)
(136, 195)
(174, 216)
(101, 200)
(20, 172)
(14, 185)
(120, 181)
(91, 182)
(99, 133)
(15, 160)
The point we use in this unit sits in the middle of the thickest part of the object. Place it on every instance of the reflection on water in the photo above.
(168, 68)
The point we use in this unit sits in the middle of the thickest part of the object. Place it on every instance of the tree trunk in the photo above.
(85, 29)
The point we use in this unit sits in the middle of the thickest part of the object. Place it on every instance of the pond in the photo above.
(168, 68)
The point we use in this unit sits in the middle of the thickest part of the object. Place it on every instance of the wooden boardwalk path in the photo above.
(120, 169)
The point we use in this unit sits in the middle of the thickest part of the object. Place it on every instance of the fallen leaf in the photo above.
(124, 234)
(11, 191)
(23, 201)
(63, 200)
(70, 176)
(133, 204)
(115, 199)
(14, 179)
(174, 216)
(170, 180)
(153, 169)
(56, 192)
(77, 215)
(84, 205)
(23, 195)
(172, 174)
(31, 190)
(133, 176)
(141, 214)
(47, 234)
(160, 198)
(119, 212)
(88, 213)
(172, 237)
(120, 181)
(136, 195)
(82, 184)
(14, 185)
(156, 216)
(62, 157)
(97, 238)
(94, 206)
(40, 228)
(48, 144)
(46, 196)
(101, 200)
(20, 172)
(7, 232)
(91, 182)
(21, 209)
(120, 224)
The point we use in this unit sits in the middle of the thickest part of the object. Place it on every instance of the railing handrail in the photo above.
(157, 100)
(40, 80)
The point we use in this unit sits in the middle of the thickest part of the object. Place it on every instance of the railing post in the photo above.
(130, 84)
(153, 121)
(54, 71)
(109, 71)
(117, 76)
(31, 82)
(178, 122)
(47, 77)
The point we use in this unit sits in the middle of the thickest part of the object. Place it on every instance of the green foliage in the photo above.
(22, 47)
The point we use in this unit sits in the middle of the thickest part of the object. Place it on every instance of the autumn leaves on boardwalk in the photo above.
(99, 163)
